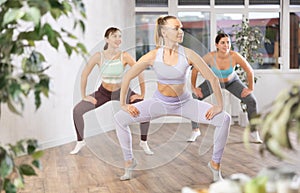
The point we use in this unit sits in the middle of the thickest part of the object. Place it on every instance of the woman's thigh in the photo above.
(196, 110)
(148, 109)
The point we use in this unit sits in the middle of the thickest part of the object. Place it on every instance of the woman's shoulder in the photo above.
(97, 55)
(152, 53)
(234, 54)
(149, 56)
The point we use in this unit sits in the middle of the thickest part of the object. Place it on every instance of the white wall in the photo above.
(52, 124)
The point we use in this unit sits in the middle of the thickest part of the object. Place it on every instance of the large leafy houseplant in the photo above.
(24, 24)
(248, 41)
(279, 121)
(12, 173)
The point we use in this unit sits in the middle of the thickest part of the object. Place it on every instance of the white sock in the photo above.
(194, 136)
(78, 147)
(146, 148)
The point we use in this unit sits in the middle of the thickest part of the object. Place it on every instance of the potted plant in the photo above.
(248, 41)
(278, 122)
(23, 68)
(12, 173)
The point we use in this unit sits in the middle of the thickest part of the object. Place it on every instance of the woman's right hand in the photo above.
(197, 92)
(132, 110)
(90, 99)
(214, 110)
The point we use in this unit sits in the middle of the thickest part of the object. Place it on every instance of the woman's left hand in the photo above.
(132, 110)
(136, 97)
(214, 110)
(246, 92)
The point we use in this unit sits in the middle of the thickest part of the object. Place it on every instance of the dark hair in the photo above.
(108, 32)
(220, 36)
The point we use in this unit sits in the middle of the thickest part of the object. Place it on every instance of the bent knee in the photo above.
(227, 117)
(250, 100)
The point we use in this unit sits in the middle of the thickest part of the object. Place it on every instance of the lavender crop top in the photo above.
(167, 74)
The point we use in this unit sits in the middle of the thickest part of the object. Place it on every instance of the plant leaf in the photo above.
(37, 164)
(33, 14)
(9, 187)
(37, 155)
(6, 166)
(2, 1)
(68, 48)
(12, 15)
(27, 170)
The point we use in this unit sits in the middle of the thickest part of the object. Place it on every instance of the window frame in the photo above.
(284, 10)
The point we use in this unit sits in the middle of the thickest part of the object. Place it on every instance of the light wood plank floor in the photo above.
(175, 163)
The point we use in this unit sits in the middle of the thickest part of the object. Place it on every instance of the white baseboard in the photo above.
(88, 133)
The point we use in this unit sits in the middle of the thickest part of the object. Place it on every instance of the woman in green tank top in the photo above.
(112, 62)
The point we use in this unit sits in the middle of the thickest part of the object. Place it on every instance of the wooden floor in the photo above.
(175, 163)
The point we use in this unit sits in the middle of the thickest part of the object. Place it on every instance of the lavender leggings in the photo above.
(102, 96)
(184, 106)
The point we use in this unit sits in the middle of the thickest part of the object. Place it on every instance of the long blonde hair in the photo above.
(161, 21)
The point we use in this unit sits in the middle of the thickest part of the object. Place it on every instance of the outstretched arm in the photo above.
(195, 90)
(129, 60)
(249, 71)
(200, 65)
(84, 76)
(133, 72)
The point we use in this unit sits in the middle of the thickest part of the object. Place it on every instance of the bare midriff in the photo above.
(111, 87)
(171, 90)
(227, 79)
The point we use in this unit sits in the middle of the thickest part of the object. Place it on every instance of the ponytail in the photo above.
(161, 21)
(105, 46)
(107, 33)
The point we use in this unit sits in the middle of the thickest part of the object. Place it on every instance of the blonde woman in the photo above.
(170, 62)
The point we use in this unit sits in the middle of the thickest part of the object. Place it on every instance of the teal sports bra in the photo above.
(222, 73)
(112, 71)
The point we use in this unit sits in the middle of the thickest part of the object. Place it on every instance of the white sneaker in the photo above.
(128, 171)
(256, 137)
(217, 176)
(78, 147)
(146, 148)
(194, 136)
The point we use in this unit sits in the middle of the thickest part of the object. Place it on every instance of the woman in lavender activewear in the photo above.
(171, 62)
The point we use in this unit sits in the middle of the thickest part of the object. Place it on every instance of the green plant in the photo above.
(24, 24)
(248, 40)
(11, 173)
(277, 123)
(22, 65)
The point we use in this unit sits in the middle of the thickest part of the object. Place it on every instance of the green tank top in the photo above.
(112, 71)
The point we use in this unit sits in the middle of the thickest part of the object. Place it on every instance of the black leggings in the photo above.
(102, 96)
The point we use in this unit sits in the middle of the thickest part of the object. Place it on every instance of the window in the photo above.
(268, 23)
(225, 21)
(145, 25)
(294, 2)
(151, 3)
(229, 2)
(203, 21)
(295, 40)
(193, 2)
(264, 2)
(196, 31)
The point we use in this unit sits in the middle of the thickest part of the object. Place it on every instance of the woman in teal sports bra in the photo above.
(112, 62)
(222, 63)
